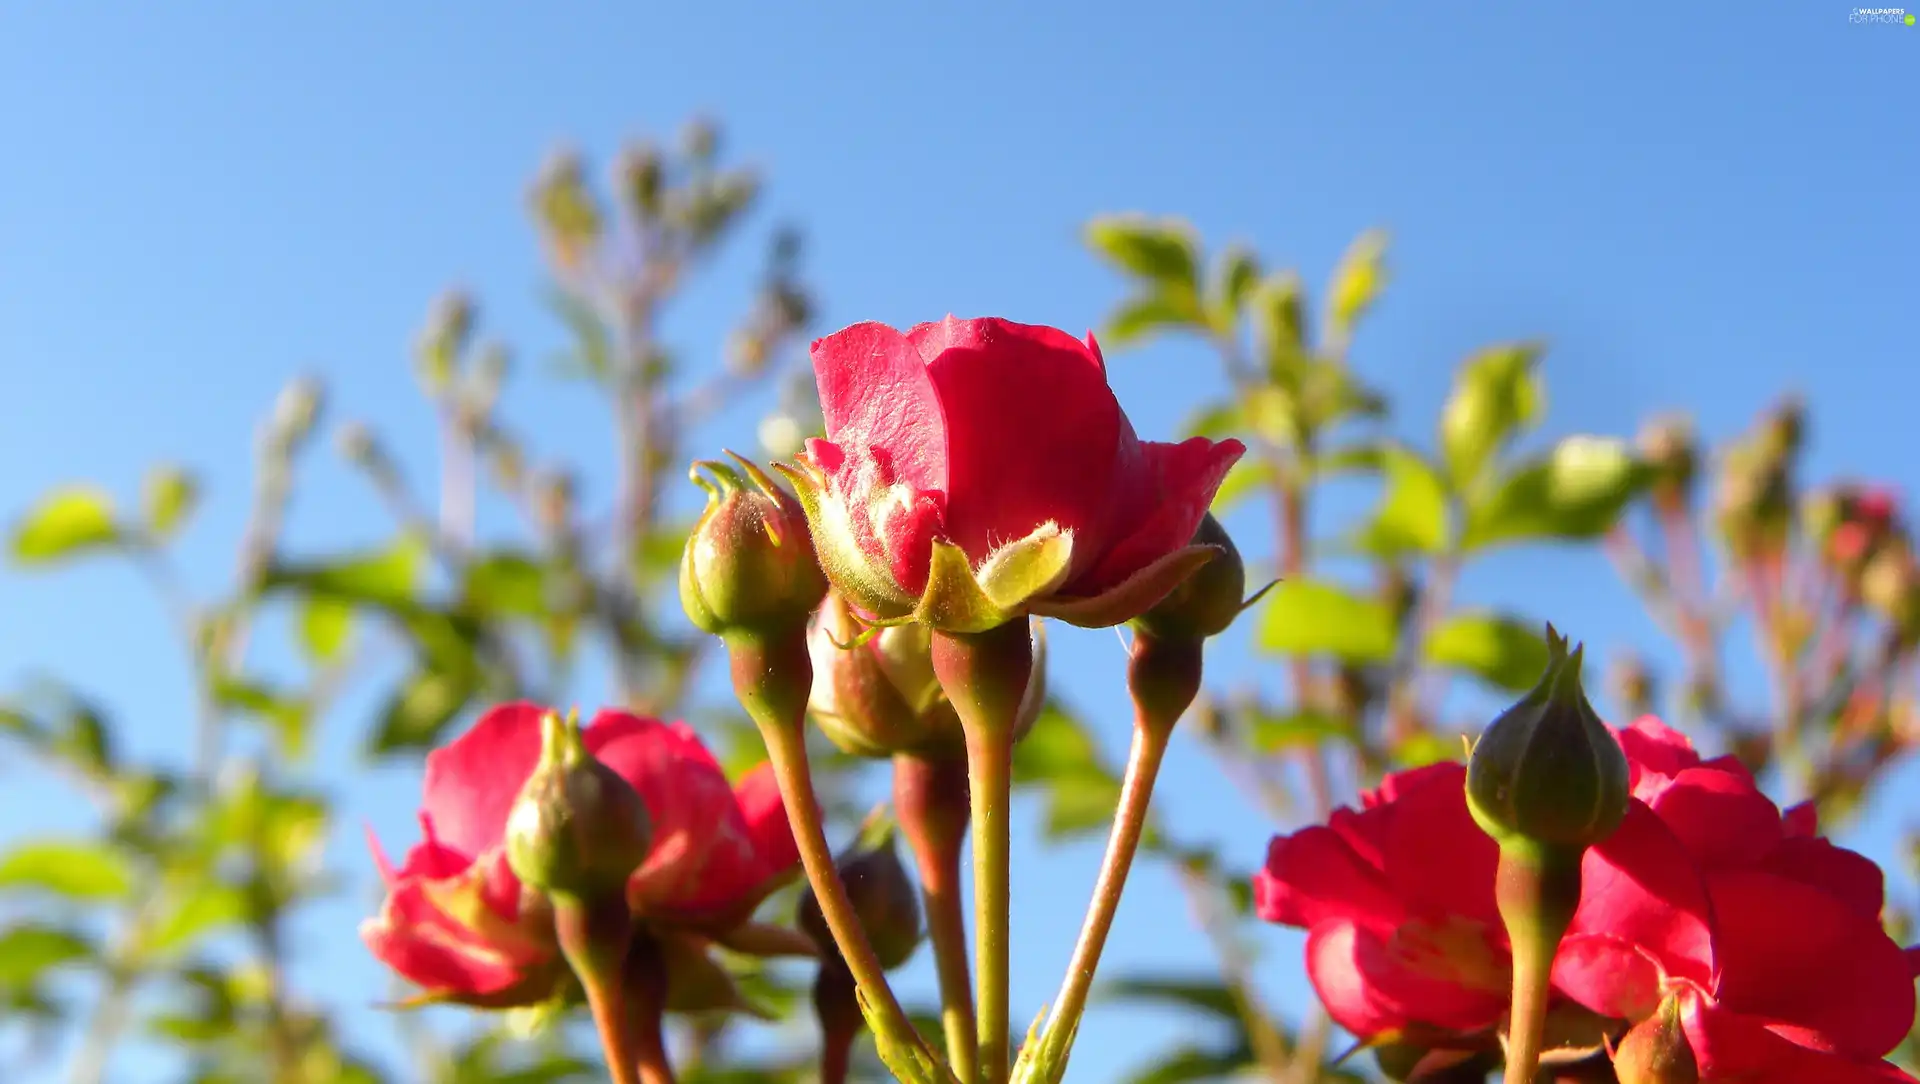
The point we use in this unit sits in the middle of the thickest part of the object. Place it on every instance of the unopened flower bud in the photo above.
(641, 178)
(1656, 1051)
(1632, 685)
(1205, 603)
(357, 444)
(444, 339)
(882, 894)
(1784, 428)
(877, 696)
(1669, 448)
(1547, 770)
(700, 139)
(297, 410)
(749, 565)
(578, 829)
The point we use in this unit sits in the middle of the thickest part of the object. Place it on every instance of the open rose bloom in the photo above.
(1766, 936)
(975, 470)
(457, 922)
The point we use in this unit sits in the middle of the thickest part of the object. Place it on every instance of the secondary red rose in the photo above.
(458, 923)
(1004, 441)
(1706, 891)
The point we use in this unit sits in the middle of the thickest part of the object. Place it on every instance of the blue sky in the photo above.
(1697, 205)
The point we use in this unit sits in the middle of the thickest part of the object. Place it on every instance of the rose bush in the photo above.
(977, 469)
(1767, 936)
(457, 922)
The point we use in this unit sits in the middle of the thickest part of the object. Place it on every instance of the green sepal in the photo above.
(1131, 597)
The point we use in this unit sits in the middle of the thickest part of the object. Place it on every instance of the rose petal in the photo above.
(471, 784)
(1851, 878)
(1162, 505)
(1731, 1046)
(1368, 993)
(1611, 976)
(758, 795)
(1797, 954)
(875, 394)
(1437, 859)
(1032, 431)
(1314, 876)
(1801, 820)
(1641, 888)
(1719, 816)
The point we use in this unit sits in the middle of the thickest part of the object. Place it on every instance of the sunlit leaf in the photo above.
(1307, 617)
(506, 583)
(1357, 282)
(326, 624)
(65, 523)
(28, 952)
(1139, 319)
(420, 709)
(1302, 729)
(1236, 271)
(1060, 756)
(386, 577)
(1576, 491)
(285, 713)
(1163, 250)
(79, 870)
(1496, 394)
(1280, 324)
(1412, 516)
(169, 497)
(1500, 650)
(1204, 995)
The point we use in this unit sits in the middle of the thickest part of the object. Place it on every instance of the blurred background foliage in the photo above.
(163, 932)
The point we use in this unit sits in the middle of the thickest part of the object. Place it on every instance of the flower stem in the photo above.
(1538, 889)
(927, 796)
(771, 678)
(646, 1012)
(985, 677)
(594, 938)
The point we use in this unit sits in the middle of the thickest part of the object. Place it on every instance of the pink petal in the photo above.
(1733, 1046)
(1366, 991)
(1641, 888)
(758, 795)
(1719, 816)
(472, 783)
(1608, 975)
(1796, 954)
(1801, 820)
(1162, 504)
(428, 948)
(1032, 432)
(1314, 876)
(1851, 878)
(876, 394)
(1437, 859)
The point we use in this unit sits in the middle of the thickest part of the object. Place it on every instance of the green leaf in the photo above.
(1060, 756)
(197, 908)
(506, 583)
(1357, 282)
(1236, 271)
(1188, 1063)
(1576, 491)
(1412, 516)
(1244, 480)
(1306, 617)
(74, 869)
(1496, 394)
(387, 577)
(1216, 420)
(1500, 650)
(65, 523)
(1207, 996)
(1140, 318)
(287, 714)
(1280, 324)
(1163, 250)
(420, 709)
(170, 495)
(1302, 729)
(325, 626)
(28, 952)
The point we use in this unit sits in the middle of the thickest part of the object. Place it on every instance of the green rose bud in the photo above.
(749, 565)
(1656, 1051)
(1548, 771)
(1206, 602)
(578, 829)
(883, 897)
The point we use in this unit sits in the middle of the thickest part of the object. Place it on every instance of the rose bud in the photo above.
(875, 693)
(1548, 770)
(578, 829)
(1656, 1051)
(1669, 447)
(1206, 602)
(883, 896)
(749, 566)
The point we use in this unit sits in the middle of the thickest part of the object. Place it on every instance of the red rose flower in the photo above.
(978, 469)
(1706, 892)
(460, 925)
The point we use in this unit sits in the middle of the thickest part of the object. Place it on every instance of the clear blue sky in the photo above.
(1698, 205)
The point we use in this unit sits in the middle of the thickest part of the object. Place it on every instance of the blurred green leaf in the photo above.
(506, 583)
(27, 952)
(1504, 652)
(1357, 282)
(1280, 324)
(1236, 271)
(65, 523)
(420, 709)
(1576, 491)
(1163, 250)
(170, 495)
(1496, 393)
(1192, 1062)
(286, 714)
(1245, 479)
(1303, 729)
(79, 870)
(1307, 617)
(1206, 995)
(193, 910)
(1412, 516)
(1059, 756)
(325, 626)
(1215, 420)
(1138, 319)
(385, 577)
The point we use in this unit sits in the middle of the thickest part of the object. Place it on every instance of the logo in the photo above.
(1881, 16)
